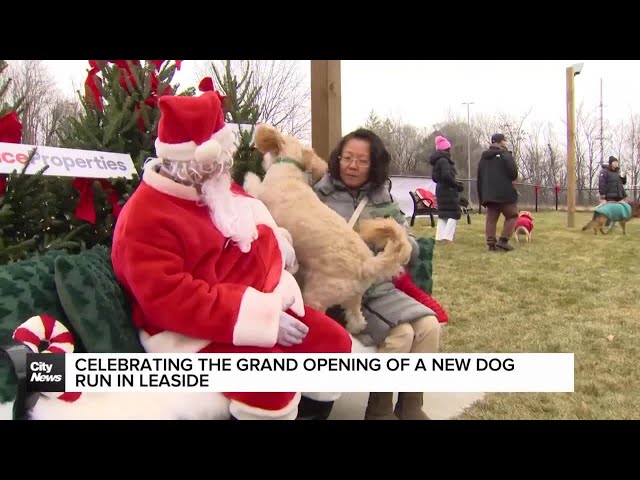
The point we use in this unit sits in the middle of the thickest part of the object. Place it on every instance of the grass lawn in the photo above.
(567, 291)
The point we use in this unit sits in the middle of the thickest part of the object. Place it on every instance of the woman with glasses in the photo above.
(357, 183)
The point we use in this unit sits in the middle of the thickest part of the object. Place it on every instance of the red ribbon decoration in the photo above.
(537, 188)
(557, 189)
(91, 89)
(10, 132)
(86, 210)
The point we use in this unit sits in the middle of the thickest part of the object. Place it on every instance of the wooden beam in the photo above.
(326, 106)
(571, 149)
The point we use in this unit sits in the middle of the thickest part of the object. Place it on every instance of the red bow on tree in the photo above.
(10, 132)
(93, 82)
(86, 209)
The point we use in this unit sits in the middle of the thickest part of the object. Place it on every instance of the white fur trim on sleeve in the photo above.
(258, 319)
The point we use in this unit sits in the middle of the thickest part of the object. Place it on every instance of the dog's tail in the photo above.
(387, 234)
(252, 184)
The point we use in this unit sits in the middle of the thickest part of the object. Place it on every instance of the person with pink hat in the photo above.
(448, 189)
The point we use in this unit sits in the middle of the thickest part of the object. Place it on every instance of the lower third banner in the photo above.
(357, 372)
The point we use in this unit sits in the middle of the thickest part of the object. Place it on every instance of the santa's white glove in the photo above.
(291, 331)
(289, 291)
(286, 248)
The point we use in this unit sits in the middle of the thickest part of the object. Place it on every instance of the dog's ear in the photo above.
(314, 163)
(268, 139)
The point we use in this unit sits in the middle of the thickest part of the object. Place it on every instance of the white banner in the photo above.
(361, 372)
(69, 162)
(65, 162)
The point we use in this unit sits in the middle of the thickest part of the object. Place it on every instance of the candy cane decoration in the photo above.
(46, 328)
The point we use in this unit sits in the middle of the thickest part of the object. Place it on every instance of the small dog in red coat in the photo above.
(524, 226)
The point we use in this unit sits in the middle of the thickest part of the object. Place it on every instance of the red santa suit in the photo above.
(193, 289)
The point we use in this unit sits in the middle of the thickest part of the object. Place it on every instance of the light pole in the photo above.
(572, 71)
(468, 104)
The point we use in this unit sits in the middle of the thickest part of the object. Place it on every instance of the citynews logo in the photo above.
(45, 372)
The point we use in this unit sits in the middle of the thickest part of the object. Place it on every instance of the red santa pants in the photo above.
(325, 336)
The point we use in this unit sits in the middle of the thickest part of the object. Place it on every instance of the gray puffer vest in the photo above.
(384, 306)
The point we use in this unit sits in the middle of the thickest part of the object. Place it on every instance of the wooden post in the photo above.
(571, 149)
(326, 107)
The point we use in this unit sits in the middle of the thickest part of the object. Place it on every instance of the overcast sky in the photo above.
(424, 92)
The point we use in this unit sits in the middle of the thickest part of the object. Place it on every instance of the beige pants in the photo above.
(421, 336)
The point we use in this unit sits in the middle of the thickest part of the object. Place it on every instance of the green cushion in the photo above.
(95, 302)
(27, 288)
(421, 270)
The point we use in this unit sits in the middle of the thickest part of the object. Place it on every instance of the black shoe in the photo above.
(504, 245)
(309, 409)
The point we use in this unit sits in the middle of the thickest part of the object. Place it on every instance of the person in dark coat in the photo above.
(497, 171)
(611, 182)
(448, 190)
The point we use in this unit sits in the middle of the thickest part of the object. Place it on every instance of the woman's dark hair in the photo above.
(380, 158)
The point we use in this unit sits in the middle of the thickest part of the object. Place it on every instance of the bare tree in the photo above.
(555, 171)
(633, 142)
(285, 92)
(54, 117)
(44, 107)
(532, 155)
(514, 129)
(404, 141)
(587, 148)
(626, 147)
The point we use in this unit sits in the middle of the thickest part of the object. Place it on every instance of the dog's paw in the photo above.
(355, 327)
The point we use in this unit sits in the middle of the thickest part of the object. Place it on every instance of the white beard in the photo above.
(231, 213)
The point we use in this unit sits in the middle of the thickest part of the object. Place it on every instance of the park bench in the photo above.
(426, 205)
(423, 207)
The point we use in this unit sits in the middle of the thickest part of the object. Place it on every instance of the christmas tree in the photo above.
(241, 107)
(40, 212)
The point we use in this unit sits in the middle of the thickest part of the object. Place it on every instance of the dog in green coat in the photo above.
(621, 212)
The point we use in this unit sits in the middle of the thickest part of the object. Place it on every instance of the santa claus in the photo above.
(208, 270)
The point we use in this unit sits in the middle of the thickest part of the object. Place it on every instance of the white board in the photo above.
(65, 162)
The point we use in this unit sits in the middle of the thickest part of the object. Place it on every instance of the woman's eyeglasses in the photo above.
(361, 162)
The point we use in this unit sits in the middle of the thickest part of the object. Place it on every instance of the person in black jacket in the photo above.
(611, 182)
(448, 190)
(497, 171)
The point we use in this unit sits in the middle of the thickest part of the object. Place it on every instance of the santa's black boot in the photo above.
(309, 409)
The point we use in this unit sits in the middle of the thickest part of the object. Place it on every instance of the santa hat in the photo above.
(193, 128)
(442, 143)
